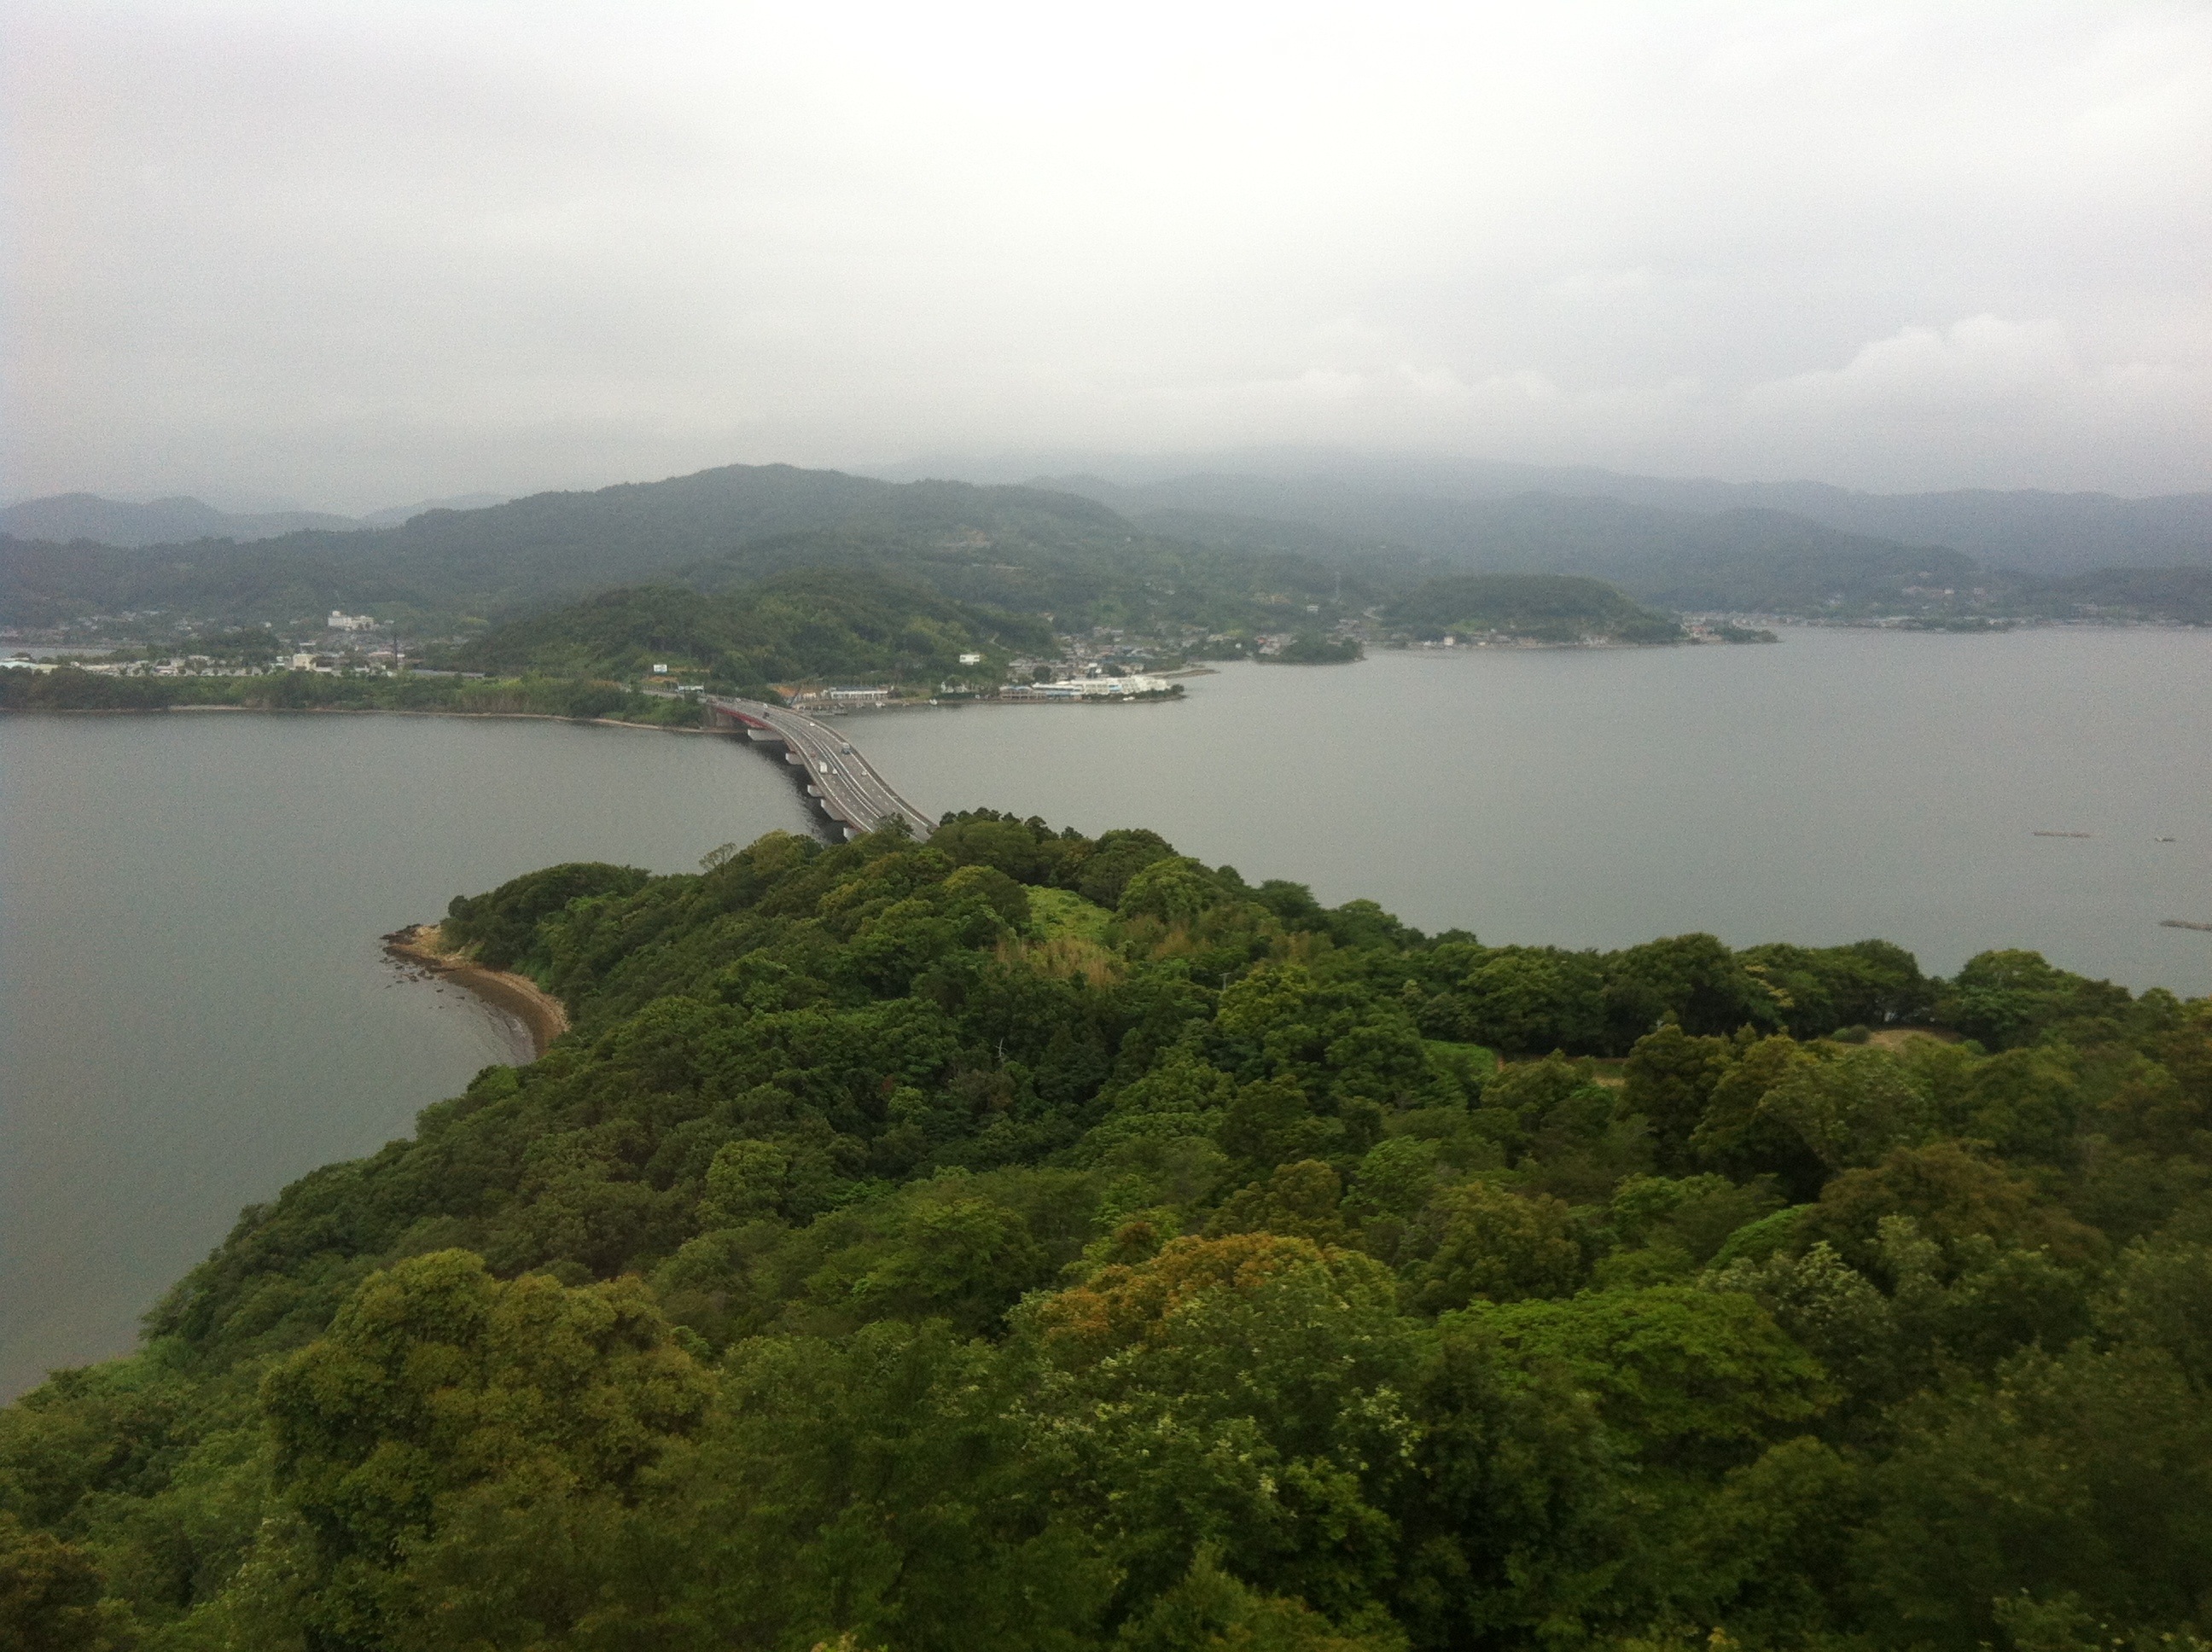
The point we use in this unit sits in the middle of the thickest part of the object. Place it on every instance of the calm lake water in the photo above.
(1836, 786)
(194, 1009)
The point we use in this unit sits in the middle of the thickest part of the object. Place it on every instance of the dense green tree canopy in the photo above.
(1541, 607)
(1024, 550)
(1026, 1240)
(805, 625)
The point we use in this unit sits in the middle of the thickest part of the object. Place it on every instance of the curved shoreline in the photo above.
(542, 1015)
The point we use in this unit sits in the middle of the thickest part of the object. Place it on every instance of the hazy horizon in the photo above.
(986, 469)
(354, 256)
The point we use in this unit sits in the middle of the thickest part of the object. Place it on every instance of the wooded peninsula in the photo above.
(1021, 1240)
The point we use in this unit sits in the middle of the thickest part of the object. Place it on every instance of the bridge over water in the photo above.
(838, 778)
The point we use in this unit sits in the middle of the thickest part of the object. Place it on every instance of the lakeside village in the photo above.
(347, 644)
(1103, 665)
(1103, 668)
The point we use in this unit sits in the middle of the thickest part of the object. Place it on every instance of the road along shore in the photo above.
(544, 1016)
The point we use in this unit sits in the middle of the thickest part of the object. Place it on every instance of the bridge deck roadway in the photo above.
(852, 793)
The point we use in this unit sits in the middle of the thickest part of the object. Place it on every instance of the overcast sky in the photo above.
(356, 255)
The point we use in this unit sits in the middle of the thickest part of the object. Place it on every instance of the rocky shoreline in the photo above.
(542, 1015)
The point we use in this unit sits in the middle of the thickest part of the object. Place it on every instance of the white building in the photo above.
(1087, 688)
(340, 621)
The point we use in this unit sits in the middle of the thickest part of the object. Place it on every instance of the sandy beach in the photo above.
(543, 1014)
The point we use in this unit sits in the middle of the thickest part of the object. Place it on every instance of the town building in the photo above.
(1087, 687)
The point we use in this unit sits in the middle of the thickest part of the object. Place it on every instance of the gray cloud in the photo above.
(354, 254)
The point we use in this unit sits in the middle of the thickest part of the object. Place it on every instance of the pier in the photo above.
(838, 778)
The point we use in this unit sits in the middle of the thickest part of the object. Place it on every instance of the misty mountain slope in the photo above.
(522, 553)
(2180, 596)
(392, 516)
(1737, 559)
(1501, 531)
(1216, 550)
(1008, 547)
(2032, 530)
(1081, 573)
(63, 518)
(549, 546)
(1262, 536)
(2035, 532)
(297, 578)
(530, 552)
(1770, 562)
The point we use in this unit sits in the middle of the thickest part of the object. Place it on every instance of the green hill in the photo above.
(1032, 1241)
(1443, 502)
(65, 519)
(1739, 559)
(1534, 607)
(2177, 595)
(1012, 548)
(808, 624)
(1216, 553)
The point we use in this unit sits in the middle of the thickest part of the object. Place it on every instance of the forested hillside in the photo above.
(1540, 607)
(63, 518)
(2177, 595)
(2045, 534)
(808, 625)
(1767, 560)
(1211, 552)
(1010, 548)
(1026, 1241)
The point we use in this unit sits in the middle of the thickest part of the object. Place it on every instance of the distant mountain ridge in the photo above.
(2048, 534)
(1220, 550)
(66, 519)
(69, 518)
(392, 515)
(1442, 506)
(1739, 559)
(2045, 533)
(1013, 548)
